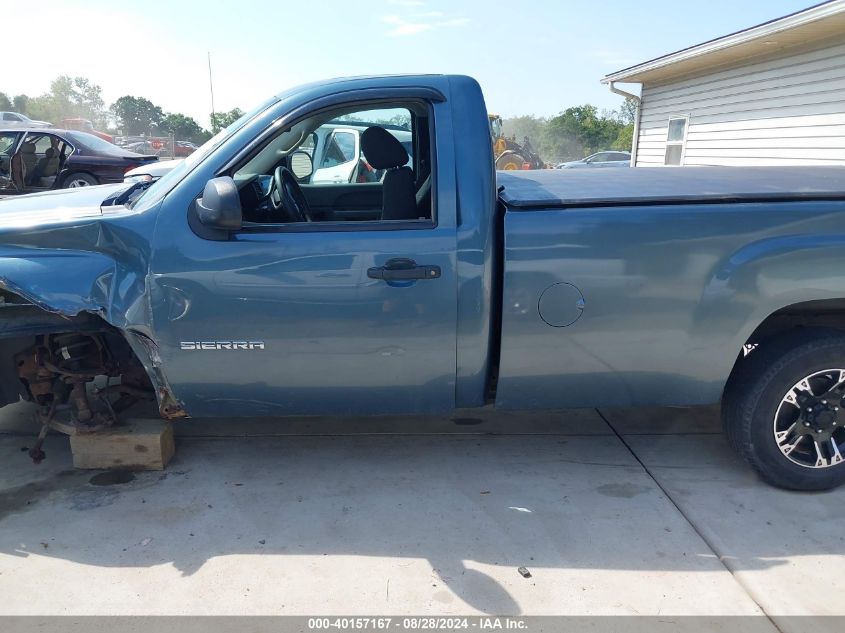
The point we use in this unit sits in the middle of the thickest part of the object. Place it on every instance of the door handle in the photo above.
(403, 269)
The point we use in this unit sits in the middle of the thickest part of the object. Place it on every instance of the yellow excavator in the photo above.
(509, 154)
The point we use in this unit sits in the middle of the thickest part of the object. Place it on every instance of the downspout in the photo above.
(635, 141)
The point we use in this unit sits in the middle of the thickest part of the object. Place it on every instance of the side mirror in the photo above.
(301, 164)
(220, 205)
(218, 212)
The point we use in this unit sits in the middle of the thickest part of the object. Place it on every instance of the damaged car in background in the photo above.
(420, 281)
(33, 160)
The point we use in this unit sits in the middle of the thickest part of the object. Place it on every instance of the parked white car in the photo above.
(151, 171)
(600, 159)
(17, 120)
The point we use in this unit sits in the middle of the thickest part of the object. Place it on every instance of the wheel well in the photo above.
(73, 173)
(778, 327)
(41, 353)
(828, 313)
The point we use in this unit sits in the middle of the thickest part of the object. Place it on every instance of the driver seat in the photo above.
(384, 151)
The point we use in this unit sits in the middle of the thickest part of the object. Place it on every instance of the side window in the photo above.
(364, 165)
(341, 156)
(676, 137)
(42, 143)
(8, 141)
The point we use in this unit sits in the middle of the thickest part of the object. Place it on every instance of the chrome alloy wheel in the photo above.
(809, 424)
(78, 182)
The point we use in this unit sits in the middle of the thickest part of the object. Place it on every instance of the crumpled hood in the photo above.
(61, 205)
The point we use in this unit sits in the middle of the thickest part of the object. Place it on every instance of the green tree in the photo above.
(183, 128)
(5, 102)
(69, 97)
(625, 140)
(576, 132)
(221, 120)
(527, 125)
(628, 111)
(20, 103)
(137, 115)
(78, 97)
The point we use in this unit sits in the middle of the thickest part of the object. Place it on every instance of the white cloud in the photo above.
(420, 22)
(407, 3)
(402, 27)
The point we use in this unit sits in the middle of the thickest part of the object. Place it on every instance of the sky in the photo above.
(530, 56)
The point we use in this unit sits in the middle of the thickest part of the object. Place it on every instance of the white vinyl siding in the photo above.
(789, 110)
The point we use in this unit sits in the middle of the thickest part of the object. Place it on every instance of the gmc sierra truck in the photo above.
(234, 286)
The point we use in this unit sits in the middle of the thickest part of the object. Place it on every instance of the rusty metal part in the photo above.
(79, 399)
(38, 378)
(169, 407)
(36, 453)
(147, 352)
(58, 371)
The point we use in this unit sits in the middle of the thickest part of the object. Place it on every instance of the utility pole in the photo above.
(211, 89)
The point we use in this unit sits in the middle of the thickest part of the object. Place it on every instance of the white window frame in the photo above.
(683, 142)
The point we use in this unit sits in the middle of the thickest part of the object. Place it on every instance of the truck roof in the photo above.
(667, 185)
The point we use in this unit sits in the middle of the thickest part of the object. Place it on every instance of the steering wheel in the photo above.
(286, 197)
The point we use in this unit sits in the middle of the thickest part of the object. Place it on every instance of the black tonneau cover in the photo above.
(667, 185)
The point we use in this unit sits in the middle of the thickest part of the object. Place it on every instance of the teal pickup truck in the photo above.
(235, 285)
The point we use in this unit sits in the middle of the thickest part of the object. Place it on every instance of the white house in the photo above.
(773, 94)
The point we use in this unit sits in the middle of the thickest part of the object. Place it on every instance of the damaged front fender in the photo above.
(81, 264)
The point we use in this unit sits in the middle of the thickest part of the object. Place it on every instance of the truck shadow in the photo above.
(473, 508)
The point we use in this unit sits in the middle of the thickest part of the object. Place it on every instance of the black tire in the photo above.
(79, 177)
(754, 393)
(509, 162)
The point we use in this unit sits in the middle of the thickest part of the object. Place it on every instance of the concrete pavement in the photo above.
(348, 517)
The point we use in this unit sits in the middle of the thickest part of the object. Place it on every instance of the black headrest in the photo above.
(381, 149)
(49, 152)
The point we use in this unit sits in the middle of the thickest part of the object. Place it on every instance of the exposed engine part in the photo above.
(36, 453)
(58, 372)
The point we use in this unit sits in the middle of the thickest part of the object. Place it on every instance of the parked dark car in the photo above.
(39, 159)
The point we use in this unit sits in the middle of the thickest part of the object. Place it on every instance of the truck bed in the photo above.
(561, 188)
(641, 286)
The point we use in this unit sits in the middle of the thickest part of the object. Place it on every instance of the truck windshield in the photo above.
(176, 174)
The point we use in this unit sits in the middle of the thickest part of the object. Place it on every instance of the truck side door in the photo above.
(306, 317)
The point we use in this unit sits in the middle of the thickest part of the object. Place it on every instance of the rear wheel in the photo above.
(784, 410)
(509, 162)
(79, 180)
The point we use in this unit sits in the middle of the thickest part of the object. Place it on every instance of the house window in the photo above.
(675, 140)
